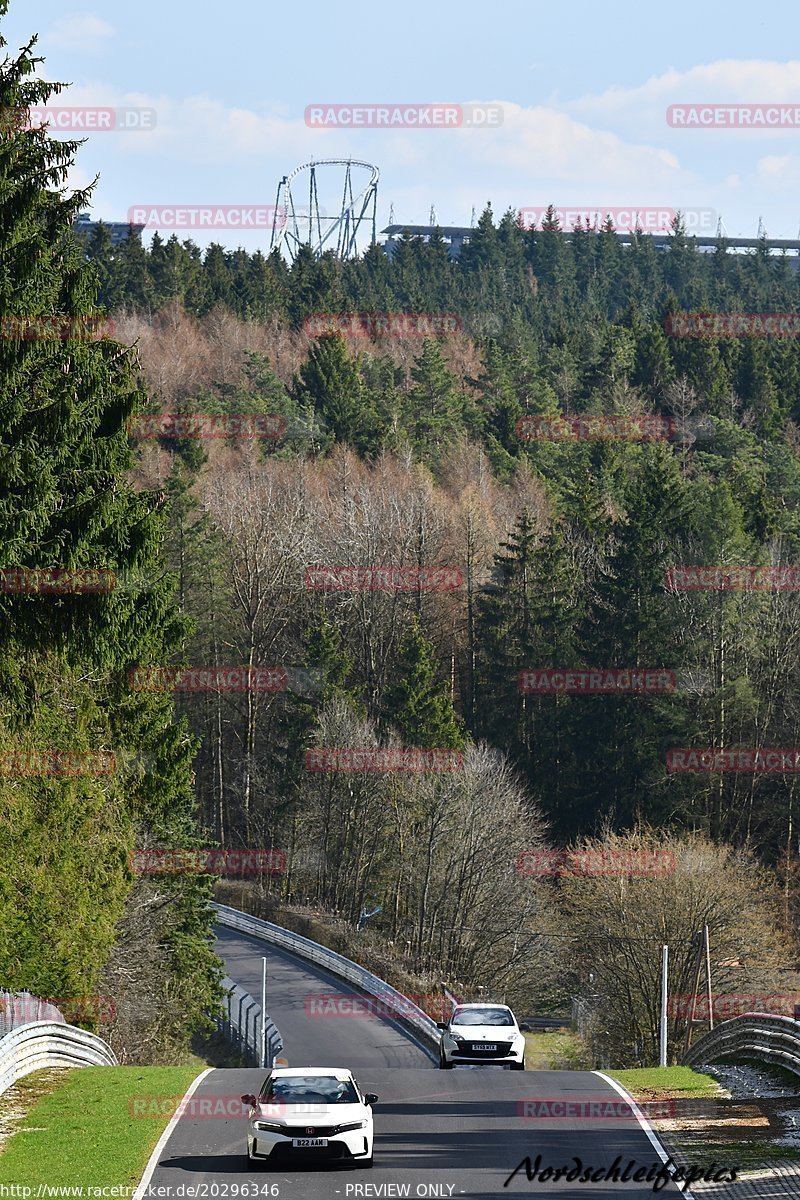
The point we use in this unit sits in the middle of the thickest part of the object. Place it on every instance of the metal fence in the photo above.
(241, 1025)
(21, 1008)
(584, 1014)
(760, 1036)
(394, 1002)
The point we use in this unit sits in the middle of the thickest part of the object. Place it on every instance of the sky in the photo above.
(578, 94)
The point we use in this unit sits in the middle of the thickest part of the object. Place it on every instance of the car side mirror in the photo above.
(441, 1024)
(370, 1098)
(525, 1027)
(251, 1100)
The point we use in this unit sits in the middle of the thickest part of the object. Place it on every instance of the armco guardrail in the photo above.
(762, 1036)
(397, 1005)
(242, 1025)
(44, 1044)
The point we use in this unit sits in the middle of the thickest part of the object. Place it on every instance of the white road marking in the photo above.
(166, 1135)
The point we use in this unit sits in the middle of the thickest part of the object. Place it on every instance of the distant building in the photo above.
(456, 236)
(85, 226)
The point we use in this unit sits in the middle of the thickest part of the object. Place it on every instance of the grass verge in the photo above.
(743, 1155)
(555, 1051)
(699, 1146)
(665, 1083)
(82, 1132)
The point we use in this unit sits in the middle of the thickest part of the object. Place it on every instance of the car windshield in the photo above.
(309, 1089)
(482, 1016)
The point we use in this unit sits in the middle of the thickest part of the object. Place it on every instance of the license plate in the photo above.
(485, 1046)
(307, 1143)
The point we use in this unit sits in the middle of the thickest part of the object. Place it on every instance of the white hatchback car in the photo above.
(482, 1033)
(317, 1113)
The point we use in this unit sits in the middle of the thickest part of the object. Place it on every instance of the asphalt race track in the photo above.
(437, 1133)
(318, 1041)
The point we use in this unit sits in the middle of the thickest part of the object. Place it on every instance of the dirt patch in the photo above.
(19, 1099)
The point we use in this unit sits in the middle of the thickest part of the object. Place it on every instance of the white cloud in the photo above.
(778, 168)
(83, 31)
(643, 107)
(541, 142)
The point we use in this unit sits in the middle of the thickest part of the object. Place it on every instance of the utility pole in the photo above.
(708, 978)
(662, 1061)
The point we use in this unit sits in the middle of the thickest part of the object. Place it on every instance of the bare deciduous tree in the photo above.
(618, 920)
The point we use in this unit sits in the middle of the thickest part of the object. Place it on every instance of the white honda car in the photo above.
(482, 1033)
(316, 1113)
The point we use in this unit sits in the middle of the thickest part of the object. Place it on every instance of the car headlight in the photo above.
(459, 1041)
(352, 1125)
(270, 1127)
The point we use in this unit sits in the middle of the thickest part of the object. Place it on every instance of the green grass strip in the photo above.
(660, 1083)
(83, 1134)
(555, 1050)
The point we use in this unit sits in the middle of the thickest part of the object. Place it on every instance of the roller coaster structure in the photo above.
(340, 233)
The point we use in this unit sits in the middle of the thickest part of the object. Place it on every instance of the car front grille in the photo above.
(287, 1150)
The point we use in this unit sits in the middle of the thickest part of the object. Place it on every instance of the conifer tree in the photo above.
(433, 408)
(330, 380)
(65, 396)
(527, 621)
(416, 702)
(620, 739)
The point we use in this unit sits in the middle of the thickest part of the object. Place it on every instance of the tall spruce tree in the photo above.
(629, 624)
(330, 381)
(434, 410)
(526, 621)
(417, 702)
(65, 396)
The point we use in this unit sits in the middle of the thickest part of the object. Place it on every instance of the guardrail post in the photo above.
(262, 1058)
